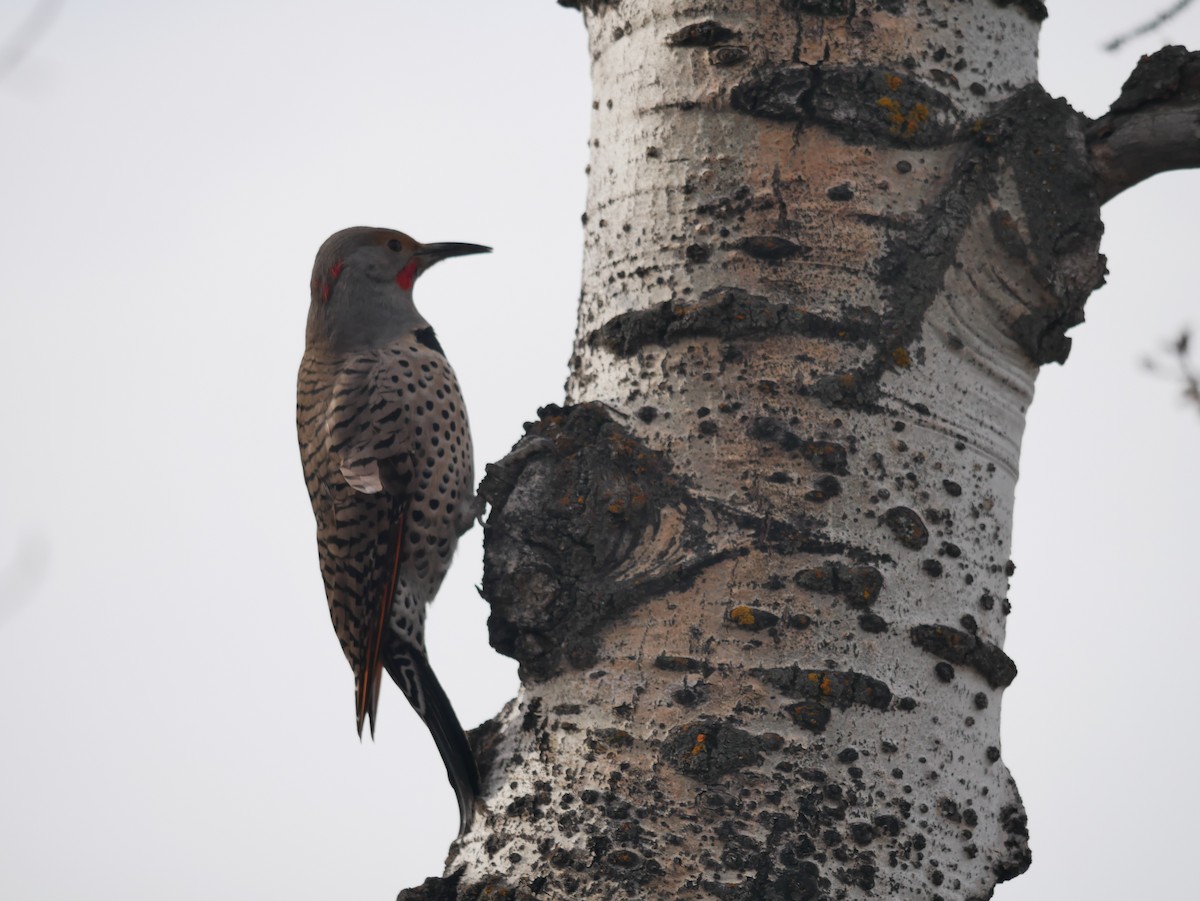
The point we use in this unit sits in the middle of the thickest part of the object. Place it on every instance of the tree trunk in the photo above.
(755, 572)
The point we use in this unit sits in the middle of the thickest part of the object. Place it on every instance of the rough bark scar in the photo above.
(582, 533)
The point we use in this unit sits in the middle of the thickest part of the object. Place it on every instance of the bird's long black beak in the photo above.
(431, 253)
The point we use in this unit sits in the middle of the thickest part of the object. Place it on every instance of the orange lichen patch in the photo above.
(894, 82)
(822, 681)
(640, 460)
(699, 746)
(625, 444)
(904, 123)
(619, 505)
(742, 615)
(901, 358)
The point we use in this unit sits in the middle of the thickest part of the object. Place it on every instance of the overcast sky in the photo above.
(176, 714)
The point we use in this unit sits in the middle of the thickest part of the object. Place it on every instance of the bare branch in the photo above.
(1154, 126)
(17, 47)
(1165, 16)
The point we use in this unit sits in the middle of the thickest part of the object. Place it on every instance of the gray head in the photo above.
(362, 285)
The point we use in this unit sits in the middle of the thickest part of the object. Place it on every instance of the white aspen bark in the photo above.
(756, 573)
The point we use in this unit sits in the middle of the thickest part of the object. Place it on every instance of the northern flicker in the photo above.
(387, 458)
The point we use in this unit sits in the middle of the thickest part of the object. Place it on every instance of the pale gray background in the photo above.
(176, 715)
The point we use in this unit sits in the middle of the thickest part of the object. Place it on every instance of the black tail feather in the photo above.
(409, 669)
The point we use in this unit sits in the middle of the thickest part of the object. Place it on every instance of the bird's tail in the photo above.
(368, 678)
(407, 666)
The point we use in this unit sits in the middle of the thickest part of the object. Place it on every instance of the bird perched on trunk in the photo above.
(387, 458)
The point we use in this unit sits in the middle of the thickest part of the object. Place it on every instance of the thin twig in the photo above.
(1164, 16)
(1188, 377)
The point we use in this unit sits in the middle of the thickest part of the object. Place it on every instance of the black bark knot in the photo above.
(956, 646)
(709, 749)
(817, 692)
(909, 529)
(828, 456)
(771, 248)
(592, 499)
(701, 34)
(858, 586)
(752, 619)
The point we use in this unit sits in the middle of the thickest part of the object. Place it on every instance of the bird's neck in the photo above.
(360, 317)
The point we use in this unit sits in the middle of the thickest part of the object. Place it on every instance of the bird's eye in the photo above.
(395, 245)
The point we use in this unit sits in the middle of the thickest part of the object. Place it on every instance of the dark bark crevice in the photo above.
(858, 103)
(730, 313)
